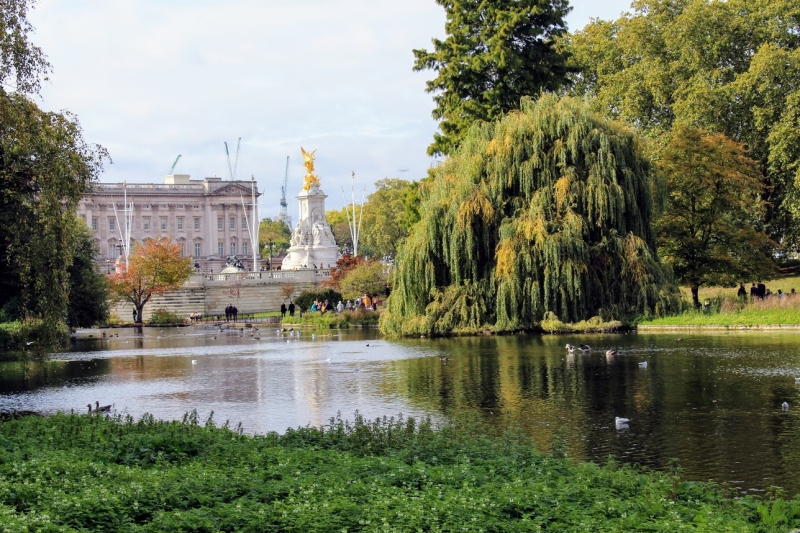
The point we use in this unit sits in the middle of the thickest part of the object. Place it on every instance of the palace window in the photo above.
(220, 251)
(244, 223)
(163, 224)
(233, 248)
(112, 225)
(94, 224)
(197, 249)
(112, 250)
(233, 223)
(146, 223)
(219, 224)
(183, 249)
(196, 223)
(180, 222)
(244, 248)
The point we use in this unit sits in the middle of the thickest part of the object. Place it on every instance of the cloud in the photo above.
(153, 79)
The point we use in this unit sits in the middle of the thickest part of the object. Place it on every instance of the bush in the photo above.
(10, 335)
(162, 316)
(306, 298)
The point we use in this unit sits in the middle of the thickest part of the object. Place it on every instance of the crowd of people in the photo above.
(759, 291)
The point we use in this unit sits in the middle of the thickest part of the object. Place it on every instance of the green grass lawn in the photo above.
(71, 473)
(726, 310)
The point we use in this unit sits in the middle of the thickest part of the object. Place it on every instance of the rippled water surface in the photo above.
(712, 401)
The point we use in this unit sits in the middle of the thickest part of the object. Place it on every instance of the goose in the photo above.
(611, 353)
(785, 406)
(101, 409)
(570, 348)
(585, 348)
(90, 407)
(643, 364)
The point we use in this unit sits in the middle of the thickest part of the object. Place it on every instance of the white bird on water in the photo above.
(785, 406)
(643, 364)
(621, 422)
(570, 348)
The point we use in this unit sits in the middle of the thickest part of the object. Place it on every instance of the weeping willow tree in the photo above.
(546, 212)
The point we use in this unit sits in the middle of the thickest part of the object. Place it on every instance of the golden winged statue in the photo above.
(308, 162)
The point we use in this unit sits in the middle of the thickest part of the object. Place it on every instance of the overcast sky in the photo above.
(151, 79)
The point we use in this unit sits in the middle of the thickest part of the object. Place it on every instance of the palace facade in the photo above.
(209, 218)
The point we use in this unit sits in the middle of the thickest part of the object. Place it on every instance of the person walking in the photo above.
(753, 292)
(291, 308)
(134, 316)
(283, 310)
(762, 290)
(339, 307)
(742, 294)
(235, 313)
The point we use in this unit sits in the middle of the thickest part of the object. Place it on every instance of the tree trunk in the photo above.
(139, 309)
(695, 299)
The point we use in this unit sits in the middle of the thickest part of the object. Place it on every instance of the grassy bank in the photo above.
(88, 473)
(724, 309)
(333, 320)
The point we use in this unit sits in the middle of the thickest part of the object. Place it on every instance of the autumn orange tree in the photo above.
(343, 266)
(711, 230)
(154, 268)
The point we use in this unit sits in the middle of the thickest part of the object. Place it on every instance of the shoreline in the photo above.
(718, 327)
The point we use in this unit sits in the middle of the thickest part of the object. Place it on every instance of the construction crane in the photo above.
(284, 216)
(232, 169)
(171, 170)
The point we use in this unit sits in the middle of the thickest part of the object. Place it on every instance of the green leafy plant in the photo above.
(162, 316)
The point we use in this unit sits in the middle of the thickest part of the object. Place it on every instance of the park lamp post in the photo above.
(108, 266)
(270, 244)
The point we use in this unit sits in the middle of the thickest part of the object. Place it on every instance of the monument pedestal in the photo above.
(312, 244)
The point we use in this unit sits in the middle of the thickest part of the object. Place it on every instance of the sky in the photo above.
(152, 79)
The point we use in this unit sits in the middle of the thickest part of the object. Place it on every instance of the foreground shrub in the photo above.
(90, 473)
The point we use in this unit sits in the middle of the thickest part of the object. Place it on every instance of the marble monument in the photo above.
(312, 244)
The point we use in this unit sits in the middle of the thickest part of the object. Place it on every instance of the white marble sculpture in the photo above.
(312, 243)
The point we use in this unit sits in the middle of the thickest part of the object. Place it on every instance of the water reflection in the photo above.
(711, 401)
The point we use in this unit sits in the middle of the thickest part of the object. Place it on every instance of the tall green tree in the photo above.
(708, 231)
(730, 67)
(495, 52)
(385, 225)
(88, 289)
(276, 231)
(45, 169)
(547, 210)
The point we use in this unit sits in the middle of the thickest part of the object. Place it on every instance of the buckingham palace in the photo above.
(208, 218)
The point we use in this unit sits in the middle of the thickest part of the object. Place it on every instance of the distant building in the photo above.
(208, 218)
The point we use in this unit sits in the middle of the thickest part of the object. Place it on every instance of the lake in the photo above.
(712, 400)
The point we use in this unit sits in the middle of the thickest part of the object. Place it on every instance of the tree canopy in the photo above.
(547, 210)
(45, 169)
(88, 289)
(729, 67)
(155, 267)
(708, 231)
(278, 232)
(495, 53)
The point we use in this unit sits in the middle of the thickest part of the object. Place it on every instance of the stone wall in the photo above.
(209, 294)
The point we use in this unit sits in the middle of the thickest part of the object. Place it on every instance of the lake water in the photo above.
(712, 401)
